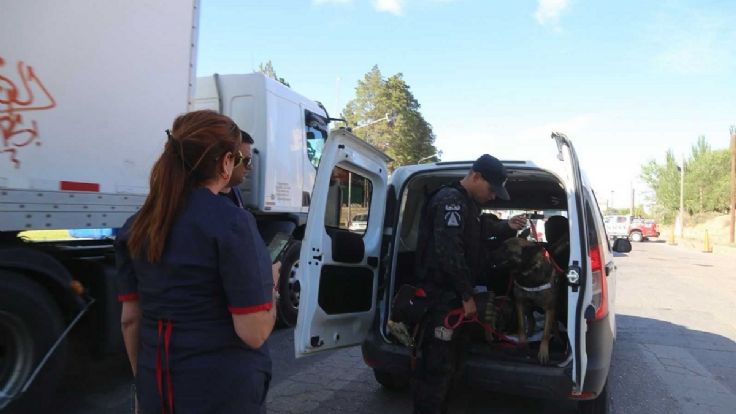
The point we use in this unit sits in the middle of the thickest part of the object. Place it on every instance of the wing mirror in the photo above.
(622, 246)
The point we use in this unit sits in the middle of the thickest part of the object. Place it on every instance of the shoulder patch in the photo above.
(452, 215)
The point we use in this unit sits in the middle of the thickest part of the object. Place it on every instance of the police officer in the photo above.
(449, 260)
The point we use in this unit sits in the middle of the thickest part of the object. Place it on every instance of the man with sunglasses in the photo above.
(243, 164)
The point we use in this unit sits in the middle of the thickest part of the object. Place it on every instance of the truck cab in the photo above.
(350, 277)
(289, 131)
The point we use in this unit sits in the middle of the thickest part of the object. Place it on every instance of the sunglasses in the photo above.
(239, 158)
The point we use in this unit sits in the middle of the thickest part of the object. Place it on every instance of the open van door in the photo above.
(578, 279)
(338, 267)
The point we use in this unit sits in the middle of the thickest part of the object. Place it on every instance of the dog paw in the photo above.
(543, 354)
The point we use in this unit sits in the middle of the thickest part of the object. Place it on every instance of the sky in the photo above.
(626, 80)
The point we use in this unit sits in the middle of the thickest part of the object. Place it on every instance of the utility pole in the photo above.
(350, 199)
(679, 226)
(612, 207)
(682, 197)
(733, 182)
(631, 208)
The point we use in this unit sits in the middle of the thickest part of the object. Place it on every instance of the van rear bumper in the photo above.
(484, 374)
(509, 376)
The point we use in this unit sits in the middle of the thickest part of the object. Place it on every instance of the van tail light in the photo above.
(600, 284)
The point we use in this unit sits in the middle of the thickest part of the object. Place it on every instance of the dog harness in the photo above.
(547, 285)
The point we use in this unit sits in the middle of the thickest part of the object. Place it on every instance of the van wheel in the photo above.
(600, 405)
(391, 381)
(636, 236)
(289, 287)
(30, 323)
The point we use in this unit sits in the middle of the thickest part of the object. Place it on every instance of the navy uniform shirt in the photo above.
(214, 264)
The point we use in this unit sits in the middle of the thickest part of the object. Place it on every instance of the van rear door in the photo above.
(339, 268)
(578, 273)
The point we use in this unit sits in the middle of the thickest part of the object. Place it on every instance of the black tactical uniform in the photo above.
(448, 263)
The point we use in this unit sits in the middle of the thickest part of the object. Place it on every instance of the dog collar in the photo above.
(552, 261)
(545, 286)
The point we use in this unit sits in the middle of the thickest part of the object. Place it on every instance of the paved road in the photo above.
(676, 353)
(676, 347)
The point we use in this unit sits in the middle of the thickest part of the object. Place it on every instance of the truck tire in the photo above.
(391, 381)
(600, 405)
(636, 236)
(30, 323)
(289, 287)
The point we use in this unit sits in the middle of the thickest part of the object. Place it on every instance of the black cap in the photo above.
(491, 169)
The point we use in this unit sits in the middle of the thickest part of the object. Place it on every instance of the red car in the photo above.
(636, 229)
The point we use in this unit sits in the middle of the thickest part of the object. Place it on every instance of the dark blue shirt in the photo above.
(215, 263)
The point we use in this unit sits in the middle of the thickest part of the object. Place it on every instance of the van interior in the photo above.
(539, 194)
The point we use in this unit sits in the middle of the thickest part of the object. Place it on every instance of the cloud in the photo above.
(548, 11)
(320, 2)
(395, 7)
(390, 6)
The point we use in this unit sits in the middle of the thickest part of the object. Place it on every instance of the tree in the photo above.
(409, 137)
(706, 179)
(665, 181)
(267, 69)
(706, 186)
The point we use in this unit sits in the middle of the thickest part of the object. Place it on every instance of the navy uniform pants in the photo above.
(437, 366)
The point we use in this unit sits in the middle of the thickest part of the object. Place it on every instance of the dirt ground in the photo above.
(717, 227)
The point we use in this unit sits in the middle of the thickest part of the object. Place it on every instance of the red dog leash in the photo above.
(459, 313)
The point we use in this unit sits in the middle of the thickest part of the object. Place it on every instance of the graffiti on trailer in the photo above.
(15, 101)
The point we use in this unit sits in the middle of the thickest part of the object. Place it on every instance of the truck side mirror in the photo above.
(622, 246)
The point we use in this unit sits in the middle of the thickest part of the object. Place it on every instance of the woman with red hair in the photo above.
(196, 280)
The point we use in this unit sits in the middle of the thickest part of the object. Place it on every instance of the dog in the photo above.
(536, 279)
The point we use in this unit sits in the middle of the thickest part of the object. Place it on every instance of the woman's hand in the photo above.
(255, 328)
(275, 272)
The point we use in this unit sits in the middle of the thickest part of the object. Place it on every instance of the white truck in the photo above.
(289, 131)
(87, 89)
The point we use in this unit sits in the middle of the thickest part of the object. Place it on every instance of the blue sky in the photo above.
(626, 80)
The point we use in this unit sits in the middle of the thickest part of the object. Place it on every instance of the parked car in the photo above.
(349, 279)
(634, 228)
(358, 223)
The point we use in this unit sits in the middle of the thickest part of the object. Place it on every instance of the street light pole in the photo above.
(438, 154)
(390, 117)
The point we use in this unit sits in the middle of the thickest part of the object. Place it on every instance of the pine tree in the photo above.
(405, 135)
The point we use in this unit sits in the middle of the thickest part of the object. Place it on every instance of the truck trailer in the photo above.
(87, 90)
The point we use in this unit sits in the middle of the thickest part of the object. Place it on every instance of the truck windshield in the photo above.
(316, 134)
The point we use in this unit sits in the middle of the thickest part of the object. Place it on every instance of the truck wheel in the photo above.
(391, 381)
(289, 287)
(30, 323)
(600, 405)
(636, 236)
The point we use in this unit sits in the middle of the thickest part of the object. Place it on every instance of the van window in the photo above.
(316, 134)
(348, 201)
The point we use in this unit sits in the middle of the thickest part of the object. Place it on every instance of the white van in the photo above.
(348, 278)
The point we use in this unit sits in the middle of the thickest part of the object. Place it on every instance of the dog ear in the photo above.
(532, 250)
(524, 234)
